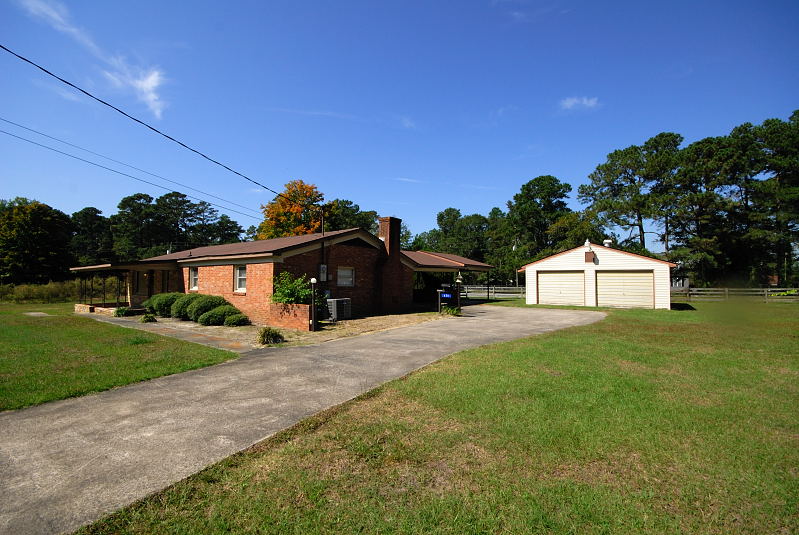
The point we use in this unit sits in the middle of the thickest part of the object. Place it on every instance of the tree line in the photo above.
(725, 209)
(39, 243)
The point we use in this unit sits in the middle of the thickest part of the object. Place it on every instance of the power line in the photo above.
(146, 125)
(125, 164)
(119, 172)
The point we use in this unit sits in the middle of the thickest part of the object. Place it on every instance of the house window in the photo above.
(240, 278)
(346, 276)
(194, 278)
(164, 280)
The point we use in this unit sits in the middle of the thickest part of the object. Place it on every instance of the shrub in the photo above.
(236, 320)
(216, 316)
(451, 311)
(180, 306)
(270, 335)
(291, 289)
(121, 312)
(161, 304)
(203, 304)
(148, 318)
(147, 305)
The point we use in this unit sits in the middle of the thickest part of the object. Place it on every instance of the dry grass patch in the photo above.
(596, 429)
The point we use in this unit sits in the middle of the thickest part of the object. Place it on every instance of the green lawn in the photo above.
(647, 422)
(62, 355)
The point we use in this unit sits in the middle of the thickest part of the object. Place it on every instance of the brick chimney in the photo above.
(389, 232)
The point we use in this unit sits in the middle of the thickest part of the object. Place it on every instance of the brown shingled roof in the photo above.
(429, 259)
(261, 247)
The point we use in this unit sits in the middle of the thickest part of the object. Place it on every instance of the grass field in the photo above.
(647, 422)
(62, 355)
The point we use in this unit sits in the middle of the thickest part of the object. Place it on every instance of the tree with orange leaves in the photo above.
(295, 211)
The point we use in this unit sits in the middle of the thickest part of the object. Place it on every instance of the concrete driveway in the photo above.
(67, 463)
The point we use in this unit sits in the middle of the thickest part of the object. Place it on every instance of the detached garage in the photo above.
(598, 275)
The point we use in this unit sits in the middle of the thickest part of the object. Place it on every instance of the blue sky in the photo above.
(403, 107)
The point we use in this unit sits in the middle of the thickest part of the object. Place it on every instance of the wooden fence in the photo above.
(725, 294)
(492, 292)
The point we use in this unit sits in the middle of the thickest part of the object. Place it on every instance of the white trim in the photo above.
(196, 286)
(236, 277)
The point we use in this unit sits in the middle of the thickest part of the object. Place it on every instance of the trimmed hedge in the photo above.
(180, 306)
(217, 316)
(161, 304)
(148, 318)
(203, 304)
(236, 320)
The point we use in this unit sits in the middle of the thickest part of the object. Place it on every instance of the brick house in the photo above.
(370, 270)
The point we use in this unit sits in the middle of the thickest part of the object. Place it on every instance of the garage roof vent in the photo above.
(607, 243)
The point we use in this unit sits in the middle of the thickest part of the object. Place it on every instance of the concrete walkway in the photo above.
(67, 463)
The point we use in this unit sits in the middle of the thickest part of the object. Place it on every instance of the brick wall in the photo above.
(218, 280)
(290, 316)
(363, 259)
(382, 283)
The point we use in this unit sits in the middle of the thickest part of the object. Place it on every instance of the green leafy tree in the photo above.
(34, 243)
(145, 227)
(342, 214)
(619, 191)
(572, 229)
(133, 226)
(660, 160)
(700, 222)
(778, 195)
(92, 241)
(539, 203)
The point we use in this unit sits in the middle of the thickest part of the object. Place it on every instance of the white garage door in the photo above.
(561, 288)
(625, 289)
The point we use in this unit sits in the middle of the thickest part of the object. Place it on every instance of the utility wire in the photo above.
(120, 172)
(125, 164)
(154, 129)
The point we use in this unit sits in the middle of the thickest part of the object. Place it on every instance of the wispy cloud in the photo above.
(409, 180)
(470, 186)
(579, 103)
(61, 91)
(401, 121)
(319, 113)
(407, 122)
(524, 11)
(502, 111)
(519, 16)
(144, 82)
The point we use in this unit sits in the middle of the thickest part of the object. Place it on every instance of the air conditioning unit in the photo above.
(340, 309)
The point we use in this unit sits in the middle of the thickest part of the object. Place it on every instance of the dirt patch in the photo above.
(246, 336)
(635, 368)
(614, 471)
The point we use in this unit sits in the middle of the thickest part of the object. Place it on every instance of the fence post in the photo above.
(765, 295)
(726, 294)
